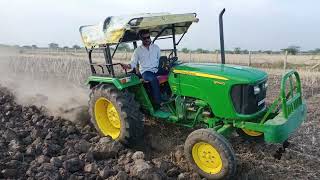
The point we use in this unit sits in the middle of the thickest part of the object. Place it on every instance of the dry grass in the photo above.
(198, 57)
(68, 68)
(75, 67)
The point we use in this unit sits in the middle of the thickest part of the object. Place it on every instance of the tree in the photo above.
(200, 50)
(316, 51)
(237, 50)
(27, 47)
(76, 46)
(65, 47)
(205, 51)
(245, 51)
(292, 49)
(53, 45)
(267, 51)
(185, 50)
(34, 46)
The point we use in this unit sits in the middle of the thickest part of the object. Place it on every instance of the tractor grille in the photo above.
(246, 100)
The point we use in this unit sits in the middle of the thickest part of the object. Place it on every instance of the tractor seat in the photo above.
(162, 79)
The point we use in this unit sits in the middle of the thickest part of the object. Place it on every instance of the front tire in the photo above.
(116, 114)
(249, 135)
(210, 154)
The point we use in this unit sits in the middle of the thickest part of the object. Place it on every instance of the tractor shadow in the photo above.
(162, 138)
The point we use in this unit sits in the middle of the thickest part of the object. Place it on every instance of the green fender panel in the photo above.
(117, 82)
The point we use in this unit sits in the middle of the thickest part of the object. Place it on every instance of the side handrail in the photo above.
(108, 65)
(289, 104)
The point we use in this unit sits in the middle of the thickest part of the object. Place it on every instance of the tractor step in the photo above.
(161, 114)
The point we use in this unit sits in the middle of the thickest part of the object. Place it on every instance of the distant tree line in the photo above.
(50, 45)
(56, 46)
(236, 50)
(291, 50)
(199, 50)
(121, 47)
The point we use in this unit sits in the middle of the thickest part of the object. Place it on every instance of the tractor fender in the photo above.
(119, 83)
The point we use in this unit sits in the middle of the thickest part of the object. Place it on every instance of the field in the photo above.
(68, 147)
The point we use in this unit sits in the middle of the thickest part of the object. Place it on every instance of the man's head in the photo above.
(145, 37)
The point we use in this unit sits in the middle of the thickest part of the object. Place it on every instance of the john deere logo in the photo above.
(219, 83)
(174, 88)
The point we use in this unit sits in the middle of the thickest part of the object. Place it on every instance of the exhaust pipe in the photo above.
(221, 36)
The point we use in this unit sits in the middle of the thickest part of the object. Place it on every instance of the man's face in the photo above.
(146, 40)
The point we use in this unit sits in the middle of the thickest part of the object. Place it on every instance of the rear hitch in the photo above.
(281, 150)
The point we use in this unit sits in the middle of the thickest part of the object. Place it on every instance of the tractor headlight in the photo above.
(256, 89)
(265, 85)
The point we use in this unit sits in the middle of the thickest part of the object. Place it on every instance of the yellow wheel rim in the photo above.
(107, 118)
(207, 158)
(252, 133)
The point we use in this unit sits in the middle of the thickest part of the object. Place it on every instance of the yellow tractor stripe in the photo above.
(200, 74)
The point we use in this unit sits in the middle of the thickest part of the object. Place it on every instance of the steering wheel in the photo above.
(172, 60)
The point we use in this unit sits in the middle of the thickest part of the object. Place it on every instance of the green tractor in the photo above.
(216, 99)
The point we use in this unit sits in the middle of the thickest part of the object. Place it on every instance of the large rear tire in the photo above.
(116, 114)
(210, 154)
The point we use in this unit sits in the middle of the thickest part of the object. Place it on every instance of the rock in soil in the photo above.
(106, 148)
(73, 165)
(137, 155)
(107, 172)
(139, 168)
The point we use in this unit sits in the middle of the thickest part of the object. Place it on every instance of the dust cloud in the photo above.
(57, 96)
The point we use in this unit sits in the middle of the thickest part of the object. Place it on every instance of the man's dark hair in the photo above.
(143, 31)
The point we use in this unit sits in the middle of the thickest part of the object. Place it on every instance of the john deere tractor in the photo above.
(215, 99)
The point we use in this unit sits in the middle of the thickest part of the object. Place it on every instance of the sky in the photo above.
(248, 24)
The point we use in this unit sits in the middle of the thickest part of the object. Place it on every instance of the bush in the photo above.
(53, 46)
(203, 51)
(185, 50)
(237, 50)
(293, 50)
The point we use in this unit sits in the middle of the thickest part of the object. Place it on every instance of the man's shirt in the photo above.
(148, 59)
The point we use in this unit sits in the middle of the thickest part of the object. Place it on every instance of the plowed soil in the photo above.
(38, 144)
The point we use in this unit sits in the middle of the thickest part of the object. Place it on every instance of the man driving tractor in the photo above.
(219, 98)
(147, 56)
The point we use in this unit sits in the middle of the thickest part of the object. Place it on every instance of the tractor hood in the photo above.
(239, 74)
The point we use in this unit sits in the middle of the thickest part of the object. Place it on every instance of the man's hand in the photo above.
(126, 66)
